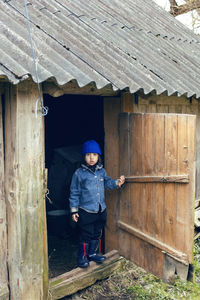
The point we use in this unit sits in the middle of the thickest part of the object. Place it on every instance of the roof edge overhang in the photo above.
(52, 87)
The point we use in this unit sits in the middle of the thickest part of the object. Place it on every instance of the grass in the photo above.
(132, 282)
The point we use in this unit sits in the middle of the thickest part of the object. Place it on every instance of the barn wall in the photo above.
(160, 104)
(24, 164)
(140, 104)
(4, 293)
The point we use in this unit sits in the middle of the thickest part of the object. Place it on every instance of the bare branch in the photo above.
(176, 10)
(173, 3)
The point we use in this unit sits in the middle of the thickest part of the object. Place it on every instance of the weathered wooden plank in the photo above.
(171, 156)
(24, 191)
(147, 162)
(155, 179)
(162, 108)
(111, 113)
(148, 238)
(159, 168)
(125, 206)
(182, 191)
(78, 279)
(4, 292)
(172, 267)
(136, 167)
(189, 205)
(127, 102)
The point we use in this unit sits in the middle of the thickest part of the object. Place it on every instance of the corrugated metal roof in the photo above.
(129, 43)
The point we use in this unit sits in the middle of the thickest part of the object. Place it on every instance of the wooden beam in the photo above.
(72, 87)
(24, 164)
(3, 220)
(163, 179)
(78, 279)
(182, 257)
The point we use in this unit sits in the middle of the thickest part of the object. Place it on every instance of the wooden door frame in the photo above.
(70, 282)
(24, 192)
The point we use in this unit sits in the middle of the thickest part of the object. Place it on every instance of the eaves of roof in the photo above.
(130, 44)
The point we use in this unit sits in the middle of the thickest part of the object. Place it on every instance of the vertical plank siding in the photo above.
(24, 192)
(4, 292)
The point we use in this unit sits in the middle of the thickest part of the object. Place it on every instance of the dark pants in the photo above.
(91, 225)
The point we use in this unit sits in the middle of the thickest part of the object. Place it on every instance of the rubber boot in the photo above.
(82, 255)
(92, 252)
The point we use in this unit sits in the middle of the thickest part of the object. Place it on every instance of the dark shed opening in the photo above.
(71, 120)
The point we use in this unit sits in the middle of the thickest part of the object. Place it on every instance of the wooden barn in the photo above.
(127, 74)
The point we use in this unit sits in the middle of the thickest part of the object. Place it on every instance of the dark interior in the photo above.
(71, 120)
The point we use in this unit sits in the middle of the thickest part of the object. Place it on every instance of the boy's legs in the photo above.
(95, 242)
(91, 226)
(86, 230)
(86, 225)
(99, 224)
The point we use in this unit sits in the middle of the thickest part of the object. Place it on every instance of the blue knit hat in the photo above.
(91, 147)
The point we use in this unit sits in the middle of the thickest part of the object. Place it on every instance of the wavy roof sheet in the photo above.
(122, 44)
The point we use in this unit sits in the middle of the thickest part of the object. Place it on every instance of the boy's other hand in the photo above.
(121, 180)
(75, 217)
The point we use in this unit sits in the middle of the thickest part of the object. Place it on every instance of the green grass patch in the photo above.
(133, 282)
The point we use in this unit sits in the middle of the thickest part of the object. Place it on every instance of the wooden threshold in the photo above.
(78, 279)
(180, 256)
(164, 179)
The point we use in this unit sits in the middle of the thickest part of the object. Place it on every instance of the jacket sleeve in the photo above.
(110, 183)
(75, 193)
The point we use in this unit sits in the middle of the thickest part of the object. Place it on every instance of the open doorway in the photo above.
(71, 120)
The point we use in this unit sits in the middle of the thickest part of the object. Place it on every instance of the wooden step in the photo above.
(78, 279)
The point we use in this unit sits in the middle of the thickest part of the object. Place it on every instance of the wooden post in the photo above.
(4, 292)
(111, 113)
(24, 164)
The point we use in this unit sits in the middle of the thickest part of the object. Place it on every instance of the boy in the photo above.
(87, 202)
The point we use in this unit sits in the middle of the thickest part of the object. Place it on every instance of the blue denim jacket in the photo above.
(87, 189)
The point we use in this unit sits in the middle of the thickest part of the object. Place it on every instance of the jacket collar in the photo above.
(98, 167)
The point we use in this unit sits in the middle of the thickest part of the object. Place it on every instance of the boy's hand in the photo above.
(121, 180)
(75, 217)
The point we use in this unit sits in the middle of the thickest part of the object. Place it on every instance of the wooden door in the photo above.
(157, 156)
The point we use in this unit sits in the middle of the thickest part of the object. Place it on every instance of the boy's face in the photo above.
(91, 158)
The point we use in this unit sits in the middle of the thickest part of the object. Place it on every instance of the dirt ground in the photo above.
(62, 255)
(132, 282)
